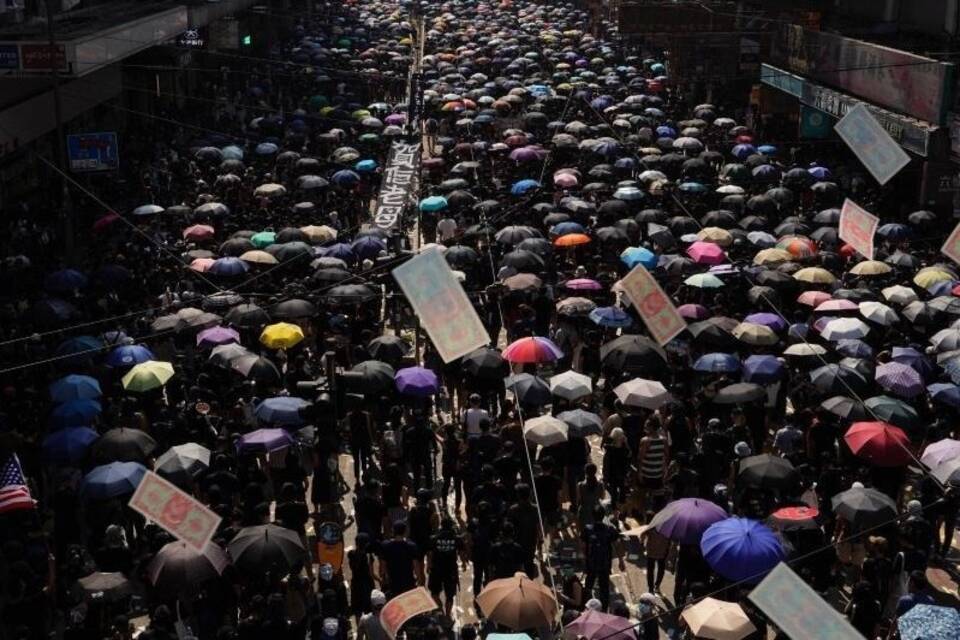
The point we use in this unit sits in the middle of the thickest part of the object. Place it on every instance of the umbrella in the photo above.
(900, 379)
(182, 463)
(256, 368)
(740, 549)
(545, 430)
(518, 603)
(75, 387)
(610, 317)
(941, 451)
(706, 253)
(264, 441)
(929, 622)
(795, 518)
(740, 393)
(294, 309)
(717, 363)
(882, 444)
(128, 355)
(767, 472)
(388, 348)
(755, 334)
(844, 329)
(485, 364)
(216, 336)
(264, 548)
(713, 619)
(281, 410)
(124, 445)
(148, 375)
(108, 587)
(75, 412)
(894, 411)
(638, 392)
(837, 378)
(281, 335)
(845, 407)
(571, 385)
(112, 480)
(686, 519)
(68, 446)
(247, 316)
(582, 423)
(597, 625)
(178, 568)
(532, 350)
(417, 381)
(864, 508)
(528, 389)
(761, 369)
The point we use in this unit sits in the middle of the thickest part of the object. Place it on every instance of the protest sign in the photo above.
(857, 227)
(403, 607)
(878, 152)
(441, 305)
(179, 513)
(797, 610)
(951, 248)
(398, 184)
(659, 314)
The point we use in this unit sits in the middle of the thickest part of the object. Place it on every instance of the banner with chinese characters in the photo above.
(441, 304)
(857, 227)
(403, 607)
(398, 185)
(663, 320)
(179, 513)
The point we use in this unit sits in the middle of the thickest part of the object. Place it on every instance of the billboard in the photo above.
(93, 151)
(897, 80)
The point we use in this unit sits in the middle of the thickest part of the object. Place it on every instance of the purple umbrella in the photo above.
(215, 336)
(417, 381)
(395, 119)
(686, 519)
(900, 379)
(941, 451)
(771, 320)
(264, 441)
(597, 624)
(583, 284)
(762, 369)
(913, 358)
(528, 154)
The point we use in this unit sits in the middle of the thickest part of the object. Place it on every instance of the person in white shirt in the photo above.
(446, 229)
(473, 416)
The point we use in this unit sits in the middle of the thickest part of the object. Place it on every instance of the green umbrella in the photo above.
(369, 138)
(318, 101)
(263, 239)
(896, 412)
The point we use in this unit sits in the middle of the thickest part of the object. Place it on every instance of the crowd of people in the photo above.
(237, 331)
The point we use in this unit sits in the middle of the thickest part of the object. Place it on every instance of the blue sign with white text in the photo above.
(9, 56)
(93, 151)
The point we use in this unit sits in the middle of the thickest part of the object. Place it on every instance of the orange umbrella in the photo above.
(572, 240)
(518, 603)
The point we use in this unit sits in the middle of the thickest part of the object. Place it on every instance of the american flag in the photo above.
(14, 493)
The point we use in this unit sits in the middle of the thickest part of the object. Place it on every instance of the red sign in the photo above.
(951, 248)
(659, 314)
(857, 227)
(403, 607)
(174, 510)
(43, 57)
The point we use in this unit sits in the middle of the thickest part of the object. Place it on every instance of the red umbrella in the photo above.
(198, 232)
(532, 349)
(104, 223)
(882, 444)
(794, 518)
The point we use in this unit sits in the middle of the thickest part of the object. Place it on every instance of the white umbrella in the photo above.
(545, 430)
(718, 620)
(639, 392)
(879, 313)
(804, 349)
(269, 190)
(571, 385)
(946, 340)
(899, 294)
(148, 210)
(755, 334)
(845, 329)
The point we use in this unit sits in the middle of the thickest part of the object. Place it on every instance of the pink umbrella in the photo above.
(694, 311)
(565, 180)
(202, 264)
(531, 350)
(595, 625)
(813, 298)
(837, 305)
(583, 284)
(198, 232)
(215, 336)
(706, 253)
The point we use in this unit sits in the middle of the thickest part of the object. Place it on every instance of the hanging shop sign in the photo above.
(399, 184)
(192, 38)
(898, 80)
(9, 56)
(93, 151)
(43, 57)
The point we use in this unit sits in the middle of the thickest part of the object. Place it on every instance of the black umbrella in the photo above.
(236, 247)
(863, 507)
(767, 472)
(582, 423)
(389, 348)
(222, 355)
(109, 587)
(183, 463)
(719, 218)
(740, 393)
(330, 275)
(294, 309)
(123, 445)
(845, 407)
(716, 331)
(258, 368)
(178, 568)
(266, 547)
(290, 234)
(247, 316)
(350, 294)
(485, 365)
(529, 390)
(521, 260)
(459, 256)
(836, 379)
(377, 376)
(634, 354)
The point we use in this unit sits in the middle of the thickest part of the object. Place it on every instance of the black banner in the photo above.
(399, 185)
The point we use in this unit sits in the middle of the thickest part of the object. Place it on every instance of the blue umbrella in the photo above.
(75, 387)
(626, 164)
(75, 412)
(912, 357)
(339, 250)
(266, 149)
(820, 173)
(365, 166)
(930, 622)
(433, 204)
(564, 228)
(762, 369)
(81, 346)
(228, 266)
(692, 187)
(743, 151)
(417, 381)
(114, 337)
(767, 149)
(345, 178)
(945, 393)
(112, 480)
(128, 355)
(894, 231)
(740, 549)
(854, 348)
(942, 288)
(717, 363)
(524, 186)
(65, 281)
(232, 152)
(632, 256)
(611, 317)
(67, 446)
(368, 246)
(282, 410)
(663, 131)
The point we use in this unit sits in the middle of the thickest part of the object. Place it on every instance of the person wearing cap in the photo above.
(369, 627)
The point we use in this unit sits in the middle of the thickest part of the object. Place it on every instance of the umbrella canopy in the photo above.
(148, 375)
(68, 446)
(528, 389)
(863, 507)
(648, 394)
(571, 385)
(112, 480)
(686, 519)
(582, 423)
(264, 441)
(878, 442)
(900, 379)
(257, 550)
(178, 568)
(941, 451)
(181, 464)
(740, 549)
(768, 472)
(106, 587)
(929, 622)
(417, 382)
(717, 620)
(532, 350)
(281, 411)
(75, 387)
(281, 335)
(518, 603)
(124, 445)
(597, 625)
(545, 430)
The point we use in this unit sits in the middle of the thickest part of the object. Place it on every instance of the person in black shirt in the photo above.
(291, 513)
(548, 487)
(523, 516)
(452, 449)
(422, 521)
(445, 547)
(600, 540)
(482, 531)
(507, 554)
(369, 510)
(361, 440)
(399, 561)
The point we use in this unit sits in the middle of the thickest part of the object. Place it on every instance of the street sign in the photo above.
(93, 151)
(878, 152)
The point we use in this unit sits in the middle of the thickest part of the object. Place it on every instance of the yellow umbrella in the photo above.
(518, 603)
(319, 234)
(258, 257)
(148, 375)
(814, 275)
(282, 335)
(755, 334)
(871, 268)
(930, 276)
(718, 620)
(772, 256)
(716, 235)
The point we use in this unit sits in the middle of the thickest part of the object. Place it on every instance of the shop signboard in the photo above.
(814, 124)
(898, 80)
(878, 152)
(93, 151)
(9, 56)
(43, 57)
